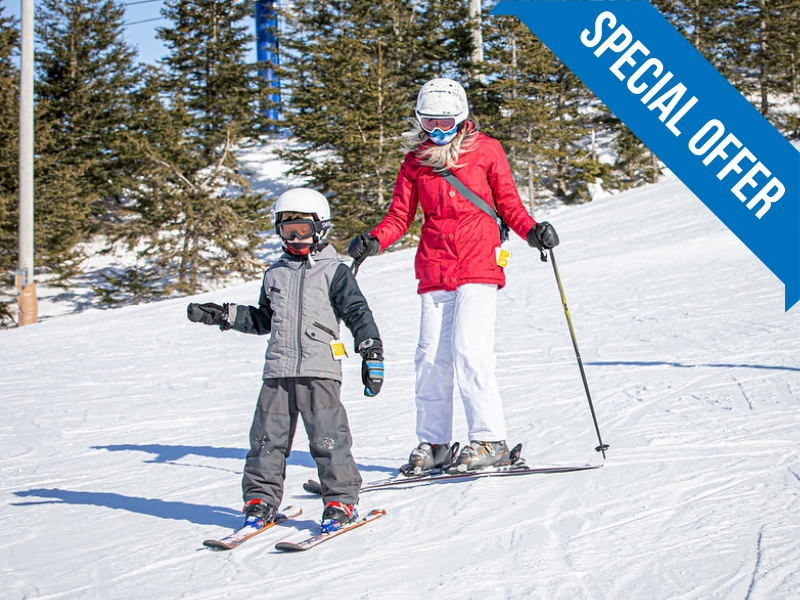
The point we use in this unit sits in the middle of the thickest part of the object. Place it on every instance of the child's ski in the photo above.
(324, 537)
(240, 536)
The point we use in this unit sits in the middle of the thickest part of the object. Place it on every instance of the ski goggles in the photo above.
(298, 229)
(443, 124)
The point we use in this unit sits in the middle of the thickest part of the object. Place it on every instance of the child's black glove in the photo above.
(371, 366)
(210, 314)
(543, 236)
(363, 246)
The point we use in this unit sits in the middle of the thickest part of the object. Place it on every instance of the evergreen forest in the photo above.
(145, 156)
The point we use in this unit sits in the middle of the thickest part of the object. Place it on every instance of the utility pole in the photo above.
(28, 309)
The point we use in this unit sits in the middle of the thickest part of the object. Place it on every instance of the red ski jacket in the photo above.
(458, 240)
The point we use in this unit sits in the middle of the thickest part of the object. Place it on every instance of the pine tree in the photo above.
(636, 163)
(207, 70)
(352, 69)
(790, 41)
(545, 113)
(765, 41)
(86, 75)
(9, 154)
(189, 220)
(191, 214)
(702, 23)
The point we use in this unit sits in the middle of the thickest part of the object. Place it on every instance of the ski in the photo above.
(514, 470)
(240, 536)
(509, 471)
(315, 540)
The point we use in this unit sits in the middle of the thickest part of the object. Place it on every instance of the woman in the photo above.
(458, 272)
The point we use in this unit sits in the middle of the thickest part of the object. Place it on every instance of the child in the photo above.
(304, 296)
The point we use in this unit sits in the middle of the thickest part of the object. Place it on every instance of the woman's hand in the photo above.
(363, 246)
(542, 236)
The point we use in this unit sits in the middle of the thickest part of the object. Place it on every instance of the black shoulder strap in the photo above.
(477, 201)
(473, 197)
(468, 193)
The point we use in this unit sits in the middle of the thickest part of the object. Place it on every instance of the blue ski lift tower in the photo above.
(267, 51)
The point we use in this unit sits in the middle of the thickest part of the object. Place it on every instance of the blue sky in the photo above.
(142, 18)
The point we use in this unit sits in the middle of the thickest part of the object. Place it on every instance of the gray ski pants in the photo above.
(274, 423)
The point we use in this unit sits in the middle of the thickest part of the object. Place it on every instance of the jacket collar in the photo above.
(326, 252)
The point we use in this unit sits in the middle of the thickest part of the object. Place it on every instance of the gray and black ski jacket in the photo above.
(301, 304)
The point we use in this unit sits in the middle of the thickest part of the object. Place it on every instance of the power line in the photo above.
(140, 2)
(144, 21)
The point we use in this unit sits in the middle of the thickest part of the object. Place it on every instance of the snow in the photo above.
(123, 433)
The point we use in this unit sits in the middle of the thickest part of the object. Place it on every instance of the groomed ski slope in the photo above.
(123, 432)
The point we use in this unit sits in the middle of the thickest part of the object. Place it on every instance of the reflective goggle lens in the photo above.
(296, 230)
(431, 124)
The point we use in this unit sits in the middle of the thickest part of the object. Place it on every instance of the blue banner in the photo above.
(687, 113)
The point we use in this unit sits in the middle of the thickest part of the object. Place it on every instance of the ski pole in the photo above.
(602, 447)
(357, 263)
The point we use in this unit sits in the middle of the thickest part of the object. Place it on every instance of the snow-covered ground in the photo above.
(123, 433)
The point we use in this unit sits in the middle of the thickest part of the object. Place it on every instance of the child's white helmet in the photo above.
(303, 200)
(307, 201)
(442, 98)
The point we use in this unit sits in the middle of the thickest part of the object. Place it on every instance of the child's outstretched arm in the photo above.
(243, 318)
(252, 319)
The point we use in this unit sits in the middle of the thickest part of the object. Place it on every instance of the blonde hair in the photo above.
(436, 157)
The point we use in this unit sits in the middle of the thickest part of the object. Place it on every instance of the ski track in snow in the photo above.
(123, 435)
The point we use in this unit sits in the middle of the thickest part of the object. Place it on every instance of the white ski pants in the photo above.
(456, 342)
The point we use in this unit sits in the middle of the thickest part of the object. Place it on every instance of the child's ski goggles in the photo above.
(443, 124)
(298, 229)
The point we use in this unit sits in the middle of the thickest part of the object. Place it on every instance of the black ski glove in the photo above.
(210, 314)
(371, 366)
(363, 246)
(542, 236)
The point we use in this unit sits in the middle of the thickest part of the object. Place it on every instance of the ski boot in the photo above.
(337, 515)
(258, 513)
(481, 455)
(427, 457)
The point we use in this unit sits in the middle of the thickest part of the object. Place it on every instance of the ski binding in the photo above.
(315, 540)
(238, 537)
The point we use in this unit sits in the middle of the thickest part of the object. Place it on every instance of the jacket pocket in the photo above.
(318, 331)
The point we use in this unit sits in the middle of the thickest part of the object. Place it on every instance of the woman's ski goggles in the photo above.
(443, 124)
(298, 229)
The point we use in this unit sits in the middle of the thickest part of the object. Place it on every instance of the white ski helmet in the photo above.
(302, 200)
(442, 98)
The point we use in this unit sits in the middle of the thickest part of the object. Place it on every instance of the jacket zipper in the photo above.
(300, 318)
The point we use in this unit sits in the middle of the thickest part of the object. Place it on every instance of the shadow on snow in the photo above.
(170, 454)
(178, 511)
(658, 363)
